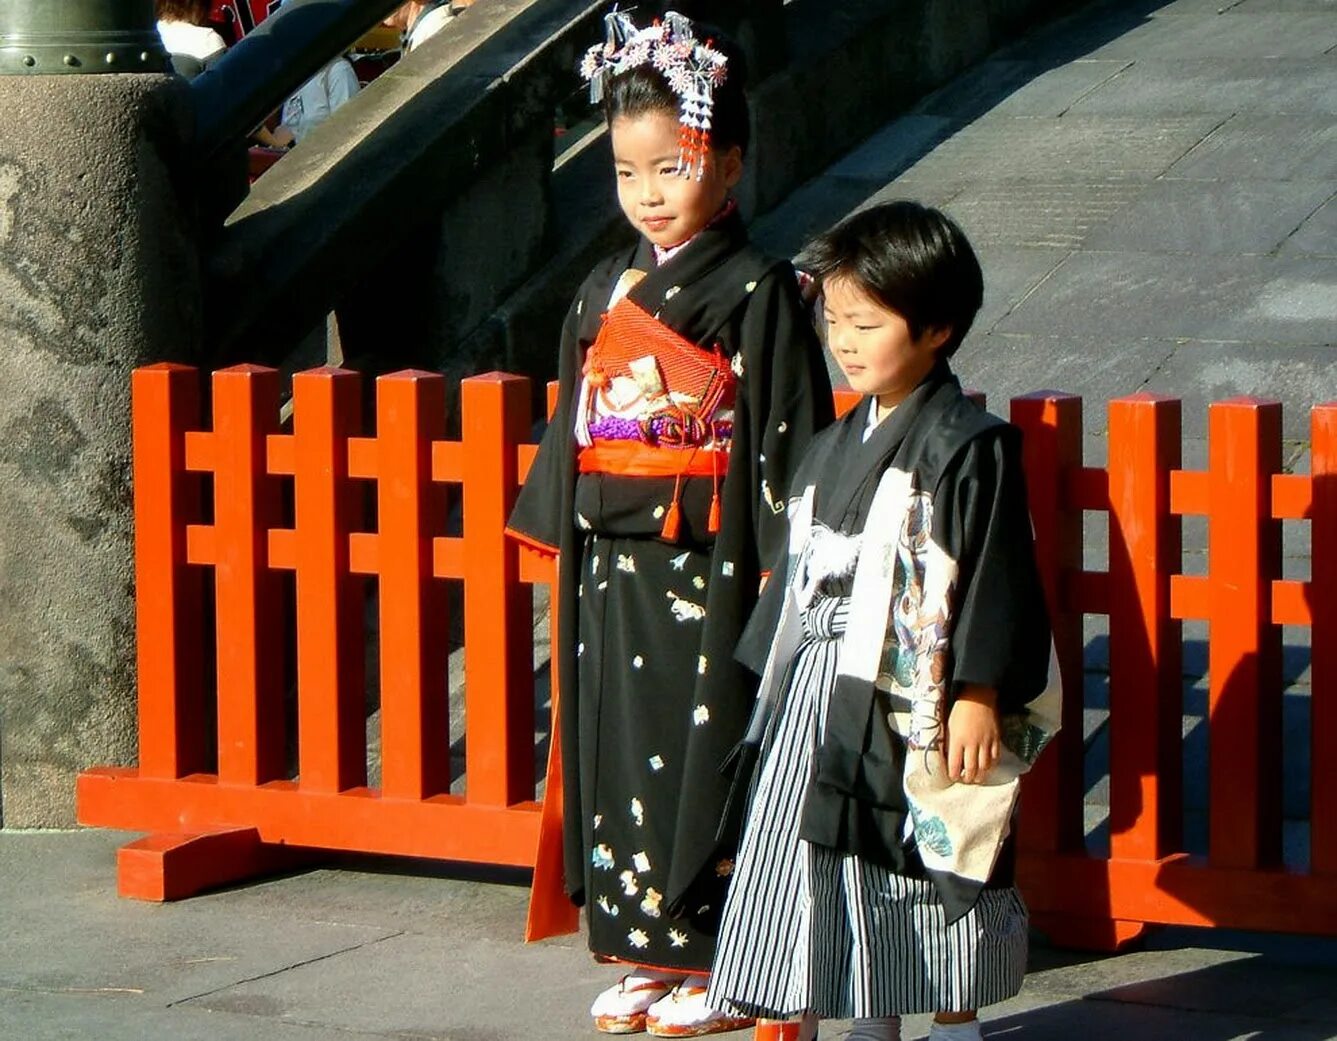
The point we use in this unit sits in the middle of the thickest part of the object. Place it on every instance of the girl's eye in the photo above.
(624, 174)
(668, 171)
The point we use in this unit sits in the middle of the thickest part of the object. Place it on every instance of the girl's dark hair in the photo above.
(644, 89)
(194, 11)
(914, 259)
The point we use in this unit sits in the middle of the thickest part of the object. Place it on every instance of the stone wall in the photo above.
(97, 275)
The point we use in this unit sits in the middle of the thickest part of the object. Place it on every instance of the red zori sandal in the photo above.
(621, 1009)
(684, 1013)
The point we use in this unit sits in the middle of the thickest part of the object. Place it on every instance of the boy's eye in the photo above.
(624, 174)
(866, 328)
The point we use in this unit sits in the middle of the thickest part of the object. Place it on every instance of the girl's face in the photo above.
(665, 206)
(872, 343)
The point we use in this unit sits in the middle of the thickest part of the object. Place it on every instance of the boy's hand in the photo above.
(974, 740)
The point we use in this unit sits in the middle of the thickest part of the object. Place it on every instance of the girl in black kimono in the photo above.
(904, 647)
(691, 382)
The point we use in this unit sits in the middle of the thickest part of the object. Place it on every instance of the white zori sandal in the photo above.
(684, 1013)
(622, 1007)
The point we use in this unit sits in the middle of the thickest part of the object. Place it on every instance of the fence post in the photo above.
(248, 594)
(498, 608)
(1323, 641)
(331, 725)
(415, 715)
(1146, 679)
(1051, 423)
(165, 403)
(1244, 653)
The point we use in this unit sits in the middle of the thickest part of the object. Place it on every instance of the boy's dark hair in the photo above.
(643, 89)
(914, 259)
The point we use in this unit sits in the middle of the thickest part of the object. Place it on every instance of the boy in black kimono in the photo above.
(904, 648)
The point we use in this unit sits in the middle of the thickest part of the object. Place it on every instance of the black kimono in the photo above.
(868, 883)
(652, 698)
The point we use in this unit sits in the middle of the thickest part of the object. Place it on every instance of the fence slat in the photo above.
(1146, 700)
(248, 594)
(165, 403)
(1323, 641)
(1052, 426)
(330, 700)
(498, 610)
(415, 715)
(1244, 654)
(1291, 496)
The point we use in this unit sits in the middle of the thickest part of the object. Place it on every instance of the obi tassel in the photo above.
(713, 520)
(672, 523)
(673, 518)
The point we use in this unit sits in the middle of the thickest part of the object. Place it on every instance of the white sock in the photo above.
(882, 1028)
(955, 1031)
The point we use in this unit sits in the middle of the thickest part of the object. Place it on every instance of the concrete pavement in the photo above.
(372, 950)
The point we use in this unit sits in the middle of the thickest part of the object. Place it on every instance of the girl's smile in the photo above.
(665, 205)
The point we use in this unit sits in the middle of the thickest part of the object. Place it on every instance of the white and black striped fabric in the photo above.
(807, 928)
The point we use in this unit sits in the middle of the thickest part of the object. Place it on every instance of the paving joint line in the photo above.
(1198, 144)
(1032, 291)
(1091, 90)
(1277, 249)
(287, 968)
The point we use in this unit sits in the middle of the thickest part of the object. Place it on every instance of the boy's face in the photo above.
(872, 343)
(665, 206)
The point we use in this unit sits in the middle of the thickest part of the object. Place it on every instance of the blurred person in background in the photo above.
(187, 36)
(420, 20)
(317, 99)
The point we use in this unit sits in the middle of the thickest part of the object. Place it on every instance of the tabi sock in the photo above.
(969, 1031)
(881, 1028)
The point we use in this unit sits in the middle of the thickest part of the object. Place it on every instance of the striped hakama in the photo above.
(807, 928)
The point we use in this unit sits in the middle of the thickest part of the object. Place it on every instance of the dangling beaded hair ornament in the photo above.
(692, 69)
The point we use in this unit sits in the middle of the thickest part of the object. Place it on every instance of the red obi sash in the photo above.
(681, 388)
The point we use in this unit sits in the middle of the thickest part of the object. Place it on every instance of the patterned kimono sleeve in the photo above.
(537, 517)
(787, 394)
(1001, 634)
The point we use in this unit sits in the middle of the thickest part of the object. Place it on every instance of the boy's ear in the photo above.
(731, 166)
(937, 335)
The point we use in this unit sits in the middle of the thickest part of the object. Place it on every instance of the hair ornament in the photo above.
(692, 68)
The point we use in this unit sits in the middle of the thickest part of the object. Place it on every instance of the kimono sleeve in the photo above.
(537, 517)
(787, 395)
(1001, 634)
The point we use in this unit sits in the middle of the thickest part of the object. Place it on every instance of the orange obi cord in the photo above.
(637, 459)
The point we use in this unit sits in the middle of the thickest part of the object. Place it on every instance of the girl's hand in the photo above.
(974, 739)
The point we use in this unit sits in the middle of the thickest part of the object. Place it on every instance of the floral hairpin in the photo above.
(692, 69)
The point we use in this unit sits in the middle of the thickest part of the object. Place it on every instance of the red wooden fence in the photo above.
(224, 822)
(226, 810)
(1148, 877)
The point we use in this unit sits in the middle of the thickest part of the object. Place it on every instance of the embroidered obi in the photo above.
(652, 403)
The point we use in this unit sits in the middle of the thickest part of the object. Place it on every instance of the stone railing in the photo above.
(429, 212)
